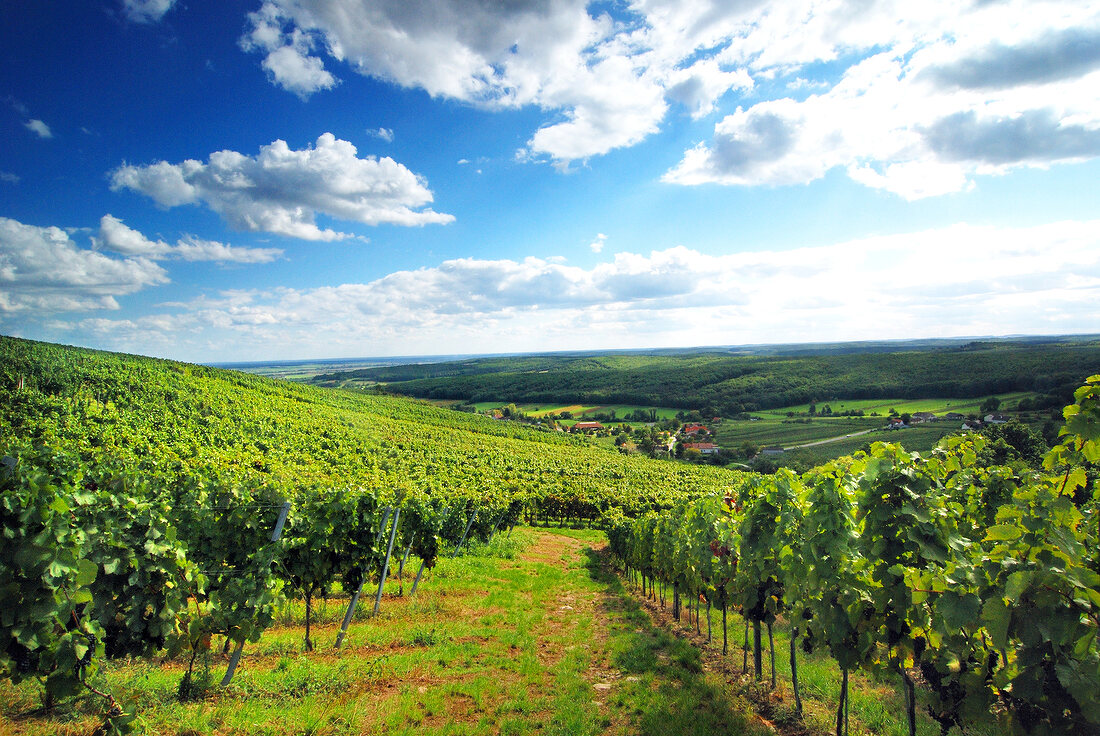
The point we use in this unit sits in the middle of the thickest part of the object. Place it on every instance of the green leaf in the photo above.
(959, 611)
(997, 617)
(86, 572)
(1003, 533)
(1017, 583)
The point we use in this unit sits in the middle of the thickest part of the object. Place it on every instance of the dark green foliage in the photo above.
(982, 579)
(717, 382)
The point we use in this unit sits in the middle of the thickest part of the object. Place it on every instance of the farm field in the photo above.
(784, 432)
(529, 635)
(577, 410)
(937, 406)
(775, 428)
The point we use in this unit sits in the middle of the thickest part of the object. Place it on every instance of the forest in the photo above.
(720, 383)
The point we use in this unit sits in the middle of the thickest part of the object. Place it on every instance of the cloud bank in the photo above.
(282, 190)
(115, 236)
(1042, 280)
(42, 271)
(891, 81)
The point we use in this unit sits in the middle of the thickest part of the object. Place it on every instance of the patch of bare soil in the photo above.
(602, 674)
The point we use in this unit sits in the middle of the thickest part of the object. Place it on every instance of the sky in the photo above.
(250, 180)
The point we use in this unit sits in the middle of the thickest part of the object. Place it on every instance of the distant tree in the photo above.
(991, 404)
(1013, 441)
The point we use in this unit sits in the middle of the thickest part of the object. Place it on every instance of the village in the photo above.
(761, 443)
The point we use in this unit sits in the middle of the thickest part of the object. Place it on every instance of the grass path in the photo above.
(531, 636)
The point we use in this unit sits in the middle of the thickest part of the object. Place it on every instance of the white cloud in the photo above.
(38, 128)
(603, 81)
(115, 236)
(43, 271)
(146, 11)
(597, 243)
(190, 248)
(955, 94)
(606, 78)
(9, 177)
(281, 190)
(385, 134)
(289, 62)
(958, 280)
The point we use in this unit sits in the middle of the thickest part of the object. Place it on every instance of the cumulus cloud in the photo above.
(606, 80)
(1035, 135)
(957, 280)
(597, 243)
(385, 134)
(282, 190)
(288, 62)
(38, 128)
(1050, 56)
(43, 271)
(115, 236)
(146, 11)
(937, 95)
(603, 81)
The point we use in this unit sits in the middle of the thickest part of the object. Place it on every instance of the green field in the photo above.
(577, 410)
(938, 406)
(775, 428)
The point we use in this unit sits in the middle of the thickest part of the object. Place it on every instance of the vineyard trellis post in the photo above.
(386, 564)
(466, 533)
(401, 567)
(359, 590)
(235, 659)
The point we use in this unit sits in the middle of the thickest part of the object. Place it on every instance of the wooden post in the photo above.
(495, 526)
(358, 591)
(382, 526)
(463, 540)
(235, 659)
(386, 564)
(416, 582)
(350, 613)
(401, 567)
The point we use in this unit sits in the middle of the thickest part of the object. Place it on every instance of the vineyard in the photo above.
(979, 583)
(150, 505)
(156, 508)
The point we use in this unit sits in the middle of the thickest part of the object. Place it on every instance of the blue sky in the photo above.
(287, 179)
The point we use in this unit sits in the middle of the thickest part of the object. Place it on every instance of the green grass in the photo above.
(533, 634)
(506, 639)
(577, 410)
(902, 406)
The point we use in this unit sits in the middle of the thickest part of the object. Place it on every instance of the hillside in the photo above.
(172, 419)
(728, 384)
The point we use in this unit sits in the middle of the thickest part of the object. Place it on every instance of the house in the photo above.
(587, 427)
(896, 423)
(773, 450)
(953, 416)
(921, 416)
(996, 419)
(704, 448)
(694, 428)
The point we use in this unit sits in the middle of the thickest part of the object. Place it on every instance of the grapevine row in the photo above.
(97, 563)
(980, 584)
